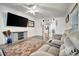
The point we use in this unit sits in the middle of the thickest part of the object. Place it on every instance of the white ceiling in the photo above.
(45, 9)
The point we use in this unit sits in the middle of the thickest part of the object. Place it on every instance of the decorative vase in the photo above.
(9, 40)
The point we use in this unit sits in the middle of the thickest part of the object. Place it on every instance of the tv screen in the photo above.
(15, 20)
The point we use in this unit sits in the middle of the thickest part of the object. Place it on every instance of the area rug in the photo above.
(24, 48)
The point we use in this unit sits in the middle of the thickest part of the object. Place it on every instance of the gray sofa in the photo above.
(69, 42)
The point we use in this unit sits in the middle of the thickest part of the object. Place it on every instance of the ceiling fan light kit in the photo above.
(32, 10)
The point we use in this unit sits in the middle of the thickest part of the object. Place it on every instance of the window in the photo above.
(74, 18)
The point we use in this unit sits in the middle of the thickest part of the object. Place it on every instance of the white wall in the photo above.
(3, 19)
(38, 27)
(61, 25)
(59, 30)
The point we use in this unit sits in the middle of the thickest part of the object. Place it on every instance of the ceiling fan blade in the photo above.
(34, 7)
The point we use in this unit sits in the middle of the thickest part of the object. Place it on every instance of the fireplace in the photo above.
(17, 36)
(20, 35)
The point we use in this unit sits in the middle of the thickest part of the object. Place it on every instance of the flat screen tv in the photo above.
(15, 20)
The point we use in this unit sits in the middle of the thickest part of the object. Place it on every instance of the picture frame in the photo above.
(67, 19)
(30, 23)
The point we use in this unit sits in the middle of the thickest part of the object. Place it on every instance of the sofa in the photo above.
(69, 46)
(46, 50)
(49, 48)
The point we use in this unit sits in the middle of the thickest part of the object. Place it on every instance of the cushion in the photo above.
(63, 37)
(74, 52)
(69, 31)
(62, 50)
(54, 51)
(68, 50)
(41, 53)
(57, 36)
(62, 53)
(68, 42)
(75, 38)
(62, 47)
(66, 33)
(68, 45)
(45, 47)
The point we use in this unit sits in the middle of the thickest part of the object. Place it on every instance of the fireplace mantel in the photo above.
(19, 36)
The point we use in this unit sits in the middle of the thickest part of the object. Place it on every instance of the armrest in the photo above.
(44, 48)
(59, 42)
(41, 53)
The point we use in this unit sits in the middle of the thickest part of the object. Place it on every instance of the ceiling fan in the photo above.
(32, 9)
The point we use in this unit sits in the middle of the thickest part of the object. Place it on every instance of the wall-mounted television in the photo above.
(15, 20)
